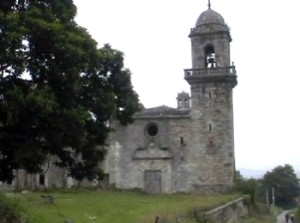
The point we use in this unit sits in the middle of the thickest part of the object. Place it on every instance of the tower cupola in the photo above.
(210, 17)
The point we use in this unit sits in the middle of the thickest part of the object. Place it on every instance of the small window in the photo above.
(181, 141)
(209, 94)
(187, 103)
(42, 179)
(152, 129)
(179, 103)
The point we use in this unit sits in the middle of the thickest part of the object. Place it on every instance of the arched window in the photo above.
(179, 103)
(210, 57)
(186, 103)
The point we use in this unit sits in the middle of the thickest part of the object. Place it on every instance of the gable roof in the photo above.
(163, 112)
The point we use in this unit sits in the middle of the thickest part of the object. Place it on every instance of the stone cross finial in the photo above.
(209, 5)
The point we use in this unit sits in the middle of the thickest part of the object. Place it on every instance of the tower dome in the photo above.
(210, 17)
(209, 21)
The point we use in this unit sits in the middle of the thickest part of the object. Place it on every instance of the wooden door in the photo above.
(153, 181)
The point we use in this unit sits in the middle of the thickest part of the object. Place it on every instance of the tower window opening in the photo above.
(179, 103)
(211, 60)
(210, 57)
(210, 128)
(186, 102)
(181, 141)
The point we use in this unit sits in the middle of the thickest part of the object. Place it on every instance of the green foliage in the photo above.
(285, 183)
(58, 91)
(246, 186)
(9, 211)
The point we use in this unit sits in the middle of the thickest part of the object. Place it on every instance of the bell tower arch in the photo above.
(211, 79)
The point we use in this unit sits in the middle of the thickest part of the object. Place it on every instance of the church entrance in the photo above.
(153, 181)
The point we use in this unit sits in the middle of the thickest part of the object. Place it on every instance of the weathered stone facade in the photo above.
(52, 177)
(191, 147)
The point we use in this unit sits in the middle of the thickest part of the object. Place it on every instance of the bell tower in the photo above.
(212, 79)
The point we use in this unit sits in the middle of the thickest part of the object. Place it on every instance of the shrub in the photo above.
(297, 216)
(9, 212)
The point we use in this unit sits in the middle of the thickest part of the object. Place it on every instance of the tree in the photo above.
(285, 183)
(246, 186)
(58, 91)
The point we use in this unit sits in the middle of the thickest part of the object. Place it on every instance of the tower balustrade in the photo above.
(230, 70)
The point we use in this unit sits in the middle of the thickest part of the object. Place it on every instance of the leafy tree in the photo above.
(246, 186)
(58, 91)
(285, 183)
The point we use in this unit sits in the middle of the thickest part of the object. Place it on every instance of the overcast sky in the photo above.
(153, 35)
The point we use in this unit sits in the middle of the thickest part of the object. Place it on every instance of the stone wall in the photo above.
(180, 151)
(230, 212)
(133, 152)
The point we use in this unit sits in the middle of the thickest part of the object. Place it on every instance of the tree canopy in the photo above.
(285, 184)
(245, 185)
(58, 91)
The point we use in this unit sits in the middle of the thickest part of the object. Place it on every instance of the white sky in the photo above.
(153, 35)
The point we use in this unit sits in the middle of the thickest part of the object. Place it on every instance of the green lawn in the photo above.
(106, 206)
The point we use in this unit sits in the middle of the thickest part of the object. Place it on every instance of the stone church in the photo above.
(185, 149)
(189, 148)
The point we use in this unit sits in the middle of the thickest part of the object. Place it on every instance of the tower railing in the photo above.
(216, 71)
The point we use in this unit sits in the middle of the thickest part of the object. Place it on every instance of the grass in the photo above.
(297, 215)
(107, 206)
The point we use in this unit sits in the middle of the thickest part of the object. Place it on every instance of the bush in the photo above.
(297, 216)
(9, 212)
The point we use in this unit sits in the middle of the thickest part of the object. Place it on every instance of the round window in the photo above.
(152, 129)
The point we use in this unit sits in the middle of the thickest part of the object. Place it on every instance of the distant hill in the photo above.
(252, 173)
